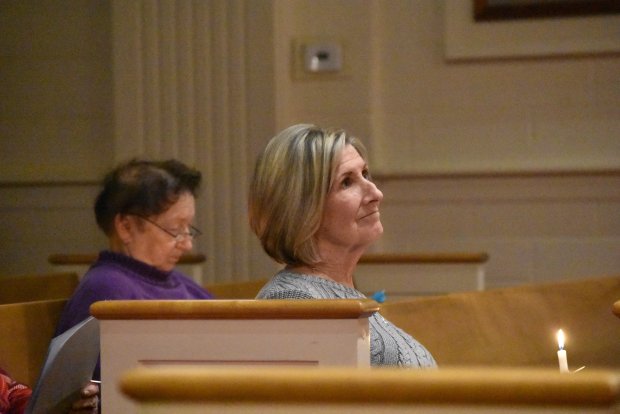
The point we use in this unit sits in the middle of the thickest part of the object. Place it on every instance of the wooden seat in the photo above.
(26, 330)
(230, 333)
(368, 391)
(29, 288)
(236, 290)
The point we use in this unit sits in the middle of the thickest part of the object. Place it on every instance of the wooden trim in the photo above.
(50, 183)
(485, 10)
(611, 172)
(234, 309)
(35, 287)
(483, 386)
(424, 258)
(88, 258)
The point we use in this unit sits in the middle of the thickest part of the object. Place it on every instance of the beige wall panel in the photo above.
(485, 115)
(55, 149)
(38, 221)
(322, 97)
(534, 228)
(55, 115)
(558, 259)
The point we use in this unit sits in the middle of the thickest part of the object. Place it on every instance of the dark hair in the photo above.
(143, 188)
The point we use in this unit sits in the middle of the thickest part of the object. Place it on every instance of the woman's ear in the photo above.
(123, 226)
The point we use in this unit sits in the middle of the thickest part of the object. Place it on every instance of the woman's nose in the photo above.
(186, 244)
(374, 193)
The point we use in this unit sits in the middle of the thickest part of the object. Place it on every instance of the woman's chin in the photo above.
(373, 237)
(166, 267)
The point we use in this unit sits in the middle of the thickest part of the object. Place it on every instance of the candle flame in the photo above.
(560, 337)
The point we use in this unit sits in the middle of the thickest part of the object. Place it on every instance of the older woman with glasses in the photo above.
(146, 209)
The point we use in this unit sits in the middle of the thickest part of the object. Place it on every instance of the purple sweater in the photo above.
(115, 276)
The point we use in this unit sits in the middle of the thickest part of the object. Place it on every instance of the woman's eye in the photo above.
(366, 174)
(346, 182)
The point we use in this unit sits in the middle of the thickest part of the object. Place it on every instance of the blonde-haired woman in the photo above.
(315, 209)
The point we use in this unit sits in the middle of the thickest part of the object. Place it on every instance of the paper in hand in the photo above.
(69, 365)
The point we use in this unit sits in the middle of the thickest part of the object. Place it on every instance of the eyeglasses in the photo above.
(178, 237)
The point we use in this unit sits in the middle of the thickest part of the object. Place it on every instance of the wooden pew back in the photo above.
(28, 288)
(236, 290)
(517, 326)
(26, 330)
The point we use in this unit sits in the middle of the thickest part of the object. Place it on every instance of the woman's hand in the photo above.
(88, 402)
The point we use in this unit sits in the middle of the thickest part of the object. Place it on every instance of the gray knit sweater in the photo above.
(389, 345)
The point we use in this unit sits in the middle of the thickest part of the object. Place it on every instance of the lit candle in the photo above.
(562, 352)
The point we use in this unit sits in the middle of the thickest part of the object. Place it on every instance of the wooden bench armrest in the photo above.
(234, 309)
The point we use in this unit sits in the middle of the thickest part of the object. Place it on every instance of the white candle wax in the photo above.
(562, 358)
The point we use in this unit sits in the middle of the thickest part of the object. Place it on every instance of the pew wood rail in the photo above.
(616, 308)
(417, 274)
(80, 262)
(389, 390)
(228, 332)
(36, 287)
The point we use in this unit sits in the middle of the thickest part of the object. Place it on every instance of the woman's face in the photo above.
(351, 217)
(150, 244)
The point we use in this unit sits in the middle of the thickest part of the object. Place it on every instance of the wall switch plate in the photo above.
(319, 58)
(322, 57)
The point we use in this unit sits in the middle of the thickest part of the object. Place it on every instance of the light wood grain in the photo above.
(377, 386)
(234, 309)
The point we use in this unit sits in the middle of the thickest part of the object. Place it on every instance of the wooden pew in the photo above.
(27, 288)
(517, 326)
(236, 290)
(228, 332)
(420, 274)
(25, 331)
(331, 390)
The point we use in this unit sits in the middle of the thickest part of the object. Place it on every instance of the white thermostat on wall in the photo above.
(323, 57)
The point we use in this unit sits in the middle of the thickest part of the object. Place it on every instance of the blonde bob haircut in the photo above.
(292, 178)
